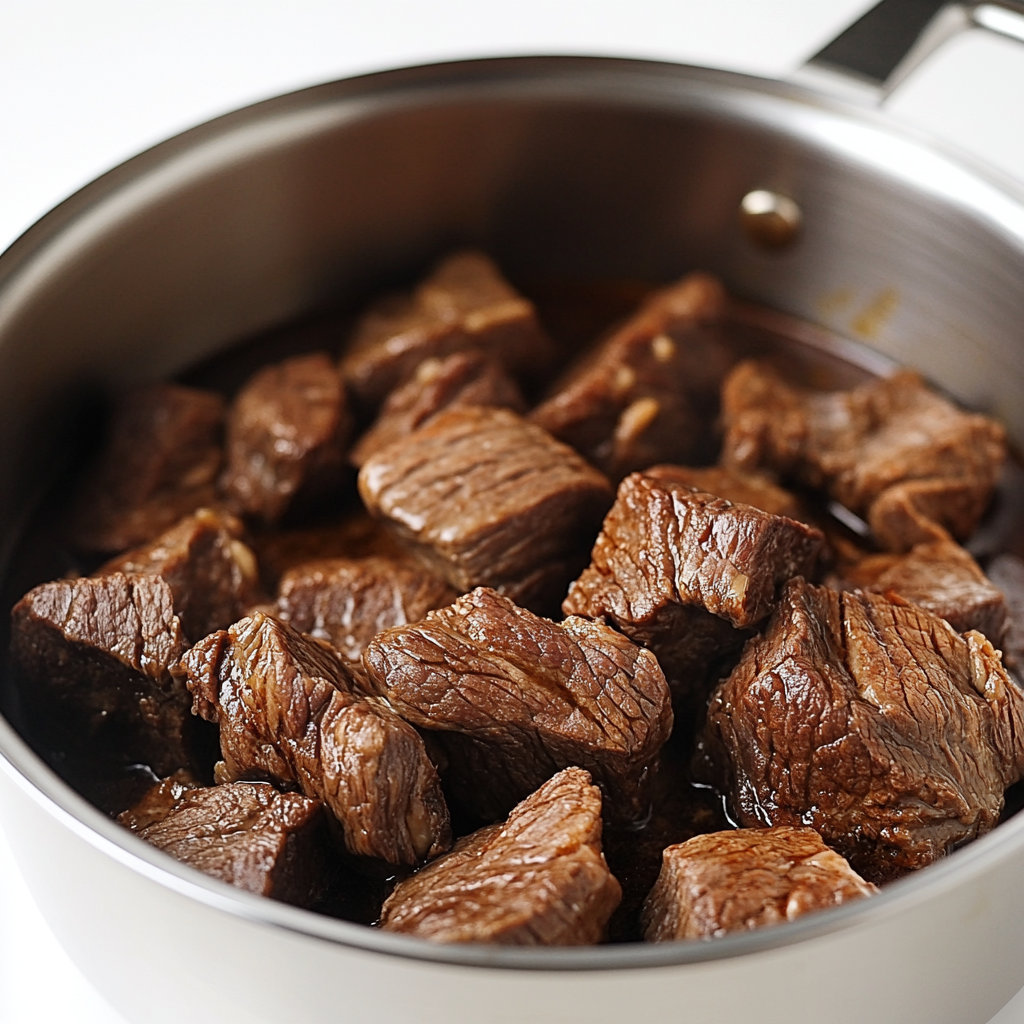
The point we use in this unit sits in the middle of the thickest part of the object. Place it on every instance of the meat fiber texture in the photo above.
(484, 498)
(289, 712)
(753, 489)
(892, 451)
(537, 879)
(513, 698)
(644, 395)
(872, 721)
(463, 305)
(743, 879)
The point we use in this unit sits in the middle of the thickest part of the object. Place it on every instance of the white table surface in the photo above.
(84, 84)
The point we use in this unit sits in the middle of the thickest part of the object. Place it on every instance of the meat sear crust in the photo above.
(740, 488)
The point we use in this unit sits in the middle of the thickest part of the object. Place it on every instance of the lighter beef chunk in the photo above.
(538, 879)
(464, 305)
(513, 698)
(644, 395)
(211, 572)
(286, 435)
(288, 712)
(892, 451)
(739, 488)
(348, 601)
(744, 879)
(246, 834)
(464, 378)
(93, 657)
(159, 461)
(484, 498)
(872, 721)
(682, 572)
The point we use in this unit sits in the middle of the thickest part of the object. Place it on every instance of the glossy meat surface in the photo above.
(753, 489)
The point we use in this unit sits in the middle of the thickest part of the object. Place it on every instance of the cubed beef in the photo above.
(740, 488)
(743, 879)
(245, 833)
(1006, 571)
(871, 720)
(158, 462)
(646, 393)
(538, 879)
(286, 435)
(512, 698)
(348, 601)
(464, 378)
(289, 712)
(892, 451)
(212, 573)
(159, 800)
(95, 654)
(486, 499)
(465, 304)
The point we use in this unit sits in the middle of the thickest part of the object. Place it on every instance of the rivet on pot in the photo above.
(771, 220)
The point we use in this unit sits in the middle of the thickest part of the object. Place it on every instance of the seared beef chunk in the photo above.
(159, 800)
(246, 834)
(513, 698)
(942, 577)
(744, 879)
(288, 712)
(464, 378)
(643, 396)
(465, 304)
(892, 451)
(487, 499)
(1007, 573)
(348, 601)
(739, 488)
(159, 461)
(211, 572)
(95, 654)
(286, 433)
(871, 720)
(538, 879)
(681, 572)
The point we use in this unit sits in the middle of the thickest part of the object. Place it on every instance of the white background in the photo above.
(84, 85)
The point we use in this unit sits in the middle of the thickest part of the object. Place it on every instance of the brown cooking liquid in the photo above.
(575, 313)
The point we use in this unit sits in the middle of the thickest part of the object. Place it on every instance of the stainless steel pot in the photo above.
(576, 166)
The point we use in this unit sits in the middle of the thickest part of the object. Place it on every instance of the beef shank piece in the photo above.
(464, 305)
(159, 461)
(743, 879)
(513, 698)
(484, 498)
(348, 601)
(684, 573)
(538, 879)
(286, 435)
(646, 392)
(871, 720)
(740, 488)
(93, 657)
(463, 378)
(892, 451)
(212, 573)
(246, 834)
(289, 712)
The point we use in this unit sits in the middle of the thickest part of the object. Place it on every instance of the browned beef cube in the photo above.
(871, 720)
(538, 879)
(513, 698)
(892, 451)
(464, 378)
(245, 833)
(211, 572)
(644, 395)
(159, 800)
(286, 435)
(95, 653)
(288, 712)
(486, 499)
(743, 879)
(159, 461)
(348, 601)
(739, 488)
(682, 572)
(465, 304)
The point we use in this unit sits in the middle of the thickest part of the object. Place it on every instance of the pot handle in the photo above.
(881, 48)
